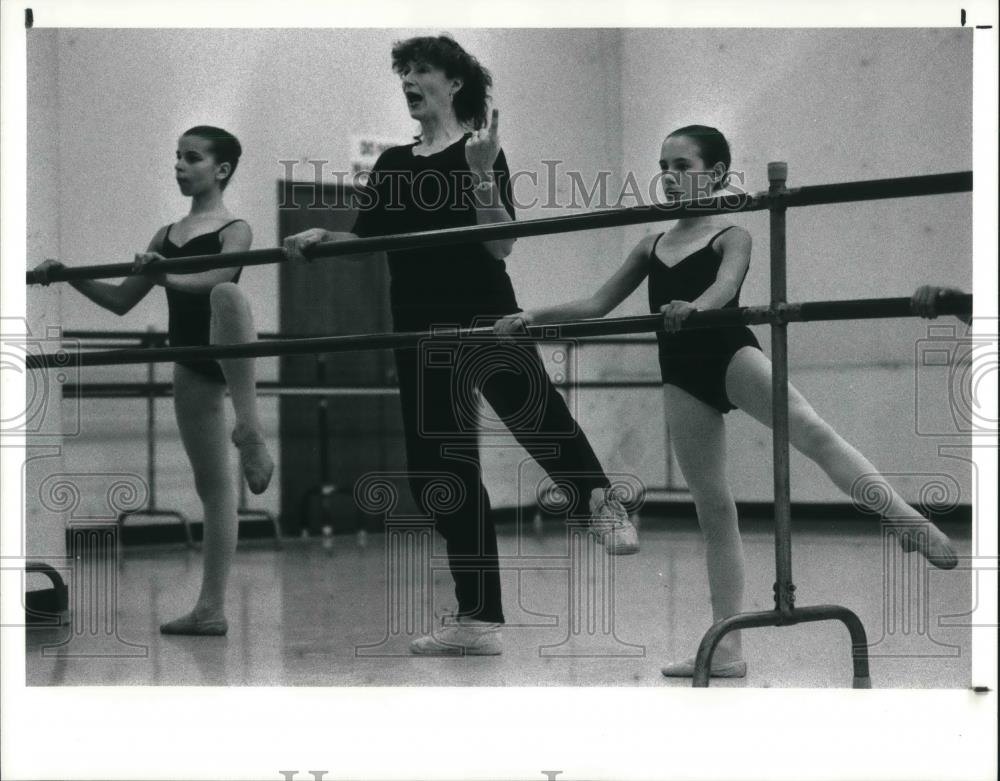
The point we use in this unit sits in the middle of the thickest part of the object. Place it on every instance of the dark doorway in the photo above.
(364, 431)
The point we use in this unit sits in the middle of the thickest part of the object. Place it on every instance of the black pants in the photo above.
(438, 382)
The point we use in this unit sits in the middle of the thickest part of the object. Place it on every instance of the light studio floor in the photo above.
(309, 615)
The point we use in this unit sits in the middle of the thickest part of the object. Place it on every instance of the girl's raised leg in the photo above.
(232, 323)
(748, 384)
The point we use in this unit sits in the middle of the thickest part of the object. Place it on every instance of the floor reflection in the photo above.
(343, 615)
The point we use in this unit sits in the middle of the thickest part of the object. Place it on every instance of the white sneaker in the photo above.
(611, 523)
(466, 637)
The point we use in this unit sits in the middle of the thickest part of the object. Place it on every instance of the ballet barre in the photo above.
(777, 314)
(844, 192)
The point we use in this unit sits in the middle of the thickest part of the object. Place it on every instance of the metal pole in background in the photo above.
(784, 589)
(151, 424)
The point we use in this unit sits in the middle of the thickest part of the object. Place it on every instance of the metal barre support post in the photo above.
(784, 589)
(784, 613)
(844, 192)
(324, 487)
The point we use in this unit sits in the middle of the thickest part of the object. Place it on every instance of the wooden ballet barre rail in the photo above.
(845, 192)
(877, 189)
(162, 389)
(142, 390)
(149, 336)
(87, 335)
(870, 308)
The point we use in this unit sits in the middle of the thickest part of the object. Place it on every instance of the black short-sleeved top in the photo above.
(408, 193)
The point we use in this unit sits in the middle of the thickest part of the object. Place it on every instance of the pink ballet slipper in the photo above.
(189, 625)
(255, 460)
(931, 543)
(737, 668)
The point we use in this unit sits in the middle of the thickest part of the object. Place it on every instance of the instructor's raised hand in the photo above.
(483, 146)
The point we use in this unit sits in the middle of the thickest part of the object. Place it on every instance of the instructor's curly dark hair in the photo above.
(443, 52)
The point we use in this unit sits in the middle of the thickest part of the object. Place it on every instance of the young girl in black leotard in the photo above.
(205, 308)
(700, 263)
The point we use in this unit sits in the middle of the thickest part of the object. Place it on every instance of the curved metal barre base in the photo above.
(156, 512)
(47, 607)
(859, 638)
